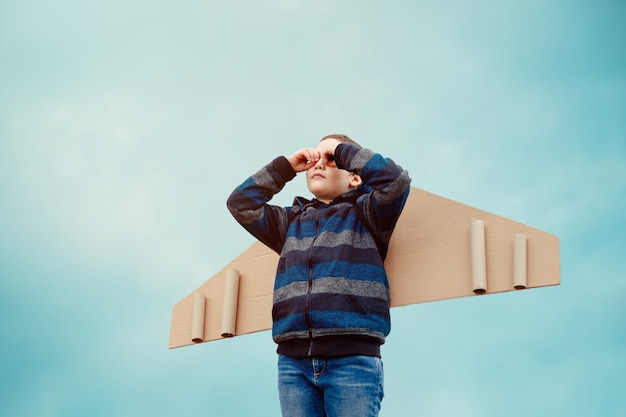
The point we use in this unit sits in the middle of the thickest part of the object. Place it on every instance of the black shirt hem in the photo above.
(330, 347)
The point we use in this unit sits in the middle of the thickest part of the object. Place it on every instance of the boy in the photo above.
(331, 293)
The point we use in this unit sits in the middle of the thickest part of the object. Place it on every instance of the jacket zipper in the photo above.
(307, 309)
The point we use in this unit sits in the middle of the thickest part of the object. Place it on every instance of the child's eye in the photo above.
(330, 158)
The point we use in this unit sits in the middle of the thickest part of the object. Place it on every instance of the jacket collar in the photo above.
(350, 196)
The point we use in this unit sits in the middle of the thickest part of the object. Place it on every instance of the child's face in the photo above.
(324, 179)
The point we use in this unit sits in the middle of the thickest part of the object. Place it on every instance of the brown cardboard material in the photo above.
(197, 318)
(430, 259)
(519, 261)
(478, 255)
(231, 295)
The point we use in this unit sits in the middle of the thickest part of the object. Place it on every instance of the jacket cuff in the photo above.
(342, 151)
(284, 168)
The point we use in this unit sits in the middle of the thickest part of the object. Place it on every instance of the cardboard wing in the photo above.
(440, 249)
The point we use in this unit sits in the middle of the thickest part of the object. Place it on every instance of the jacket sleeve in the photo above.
(248, 203)
(389, 188)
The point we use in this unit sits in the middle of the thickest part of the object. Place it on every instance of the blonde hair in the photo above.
(341, 138)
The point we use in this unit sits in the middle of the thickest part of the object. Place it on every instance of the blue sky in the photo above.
(125, 125)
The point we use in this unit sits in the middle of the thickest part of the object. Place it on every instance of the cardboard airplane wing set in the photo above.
(440, 249)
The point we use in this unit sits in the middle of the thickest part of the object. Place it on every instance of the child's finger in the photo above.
(312, 156)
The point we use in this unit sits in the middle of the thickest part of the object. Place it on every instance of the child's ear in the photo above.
(355, 181)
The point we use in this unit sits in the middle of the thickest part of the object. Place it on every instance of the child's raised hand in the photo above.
(327, 152)
(303, 159)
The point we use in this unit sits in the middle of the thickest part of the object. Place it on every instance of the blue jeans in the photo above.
(351, 386)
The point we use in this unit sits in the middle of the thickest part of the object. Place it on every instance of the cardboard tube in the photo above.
(479, 260)
(231, 294)
(519, 261)
(197, 320)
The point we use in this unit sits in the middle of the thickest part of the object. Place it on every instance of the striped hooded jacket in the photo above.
(331, 293)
